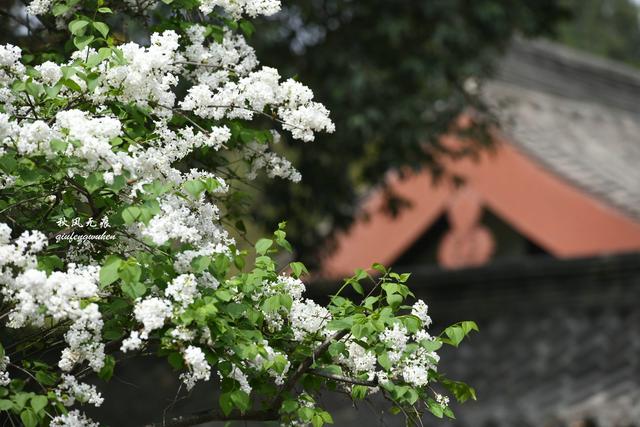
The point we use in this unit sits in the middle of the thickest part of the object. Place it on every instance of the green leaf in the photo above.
(105, 10)
(131, 214)
(383, 360)
(200, 263)
(461, 391)
(288, 406)
(225, 403)
(247, 28)
(394, 300)
(76, 26)
(107, 370)
(94, 182)
(38, 403)
(60, 9)
(263, 245)
(176, 360)
(298, 269)
(83, 41)
(133, 290)
(435, 408)
(457, 332)
(194, 187)
(336, 348)
(449, 413)
(359, 392)
(29, 418)
(340, 324)
(109, 270)
(102, 28)
(5, 405)
(71, 84)
(130, 271)
(286, 301)
(46, 378)
(58, 146)
(468, 326)
(241, 400)
(326, 417)
(317, 420)
(305, 413)
(412, 323)
(223, 295)
(357, 287)
(272, 304)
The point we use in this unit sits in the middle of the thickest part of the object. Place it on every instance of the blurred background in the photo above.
(491, 148)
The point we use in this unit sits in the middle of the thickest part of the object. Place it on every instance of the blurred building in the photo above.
(538, 241)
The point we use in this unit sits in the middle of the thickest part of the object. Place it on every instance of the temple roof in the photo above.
(577, 115)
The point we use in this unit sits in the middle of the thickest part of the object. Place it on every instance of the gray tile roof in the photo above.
(576, 115)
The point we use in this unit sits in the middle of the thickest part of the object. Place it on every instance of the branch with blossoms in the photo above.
(118, 202)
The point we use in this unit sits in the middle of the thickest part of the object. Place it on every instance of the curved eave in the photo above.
(548, 210)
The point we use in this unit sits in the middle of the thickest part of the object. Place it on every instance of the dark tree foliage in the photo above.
(609, 28)
(393, 74)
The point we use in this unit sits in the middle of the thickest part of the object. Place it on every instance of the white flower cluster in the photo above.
(39, 7)
(60, 296)
(182, 263)
(186, 221)
(149, 73)
(183, 289)
(152, 313)
(73, 419)
(412, 366)
(4, 375)
(237, 8)
(233, 55)
(199, 369)
(409, 363)
(308, 318)
(223, 82)
(265, 360)
(442, 400)
(50, 72)
(10, 68)
(250, 95)
(70, 390)
(421, 310)
(359, 359)
(10, 64)
(259, 157)
(284, 284)
(242, 379)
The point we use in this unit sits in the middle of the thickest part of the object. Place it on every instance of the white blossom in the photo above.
(4, 375)
(152, 313)
(420, 309)
(70, 390)
(199, 369)
(73, 419)
(307, 318)
(50, 72)
(183, 289)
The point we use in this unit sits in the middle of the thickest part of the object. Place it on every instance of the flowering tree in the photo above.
(119, 172)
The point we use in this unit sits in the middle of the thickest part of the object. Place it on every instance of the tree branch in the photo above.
(343, 379)
(304, 367)
(270, 414)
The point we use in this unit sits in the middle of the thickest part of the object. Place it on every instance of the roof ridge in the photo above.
(573, 57)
